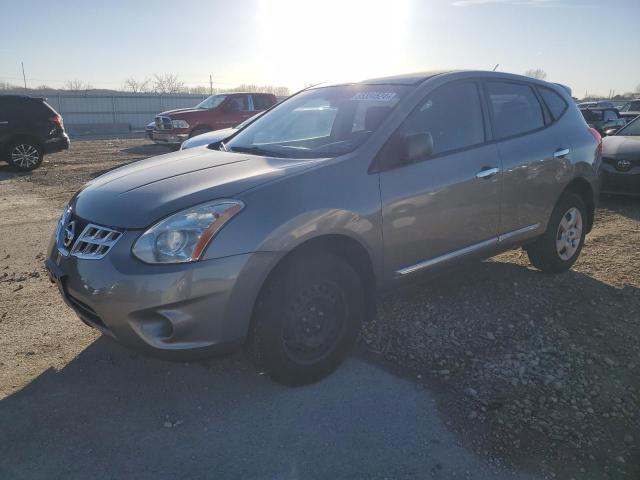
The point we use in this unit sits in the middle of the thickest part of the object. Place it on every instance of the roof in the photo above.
(406, 78)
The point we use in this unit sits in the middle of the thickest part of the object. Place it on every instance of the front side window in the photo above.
(452, 115)
(515, 109)
(238, 103)
(211, 102)
(320, 122)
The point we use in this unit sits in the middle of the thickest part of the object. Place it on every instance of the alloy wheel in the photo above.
(569, 234)
(25, 156)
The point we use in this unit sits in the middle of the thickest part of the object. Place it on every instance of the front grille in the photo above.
(95, 242)
(163, 123)
(622, 164)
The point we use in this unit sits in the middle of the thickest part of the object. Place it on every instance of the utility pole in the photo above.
(24, 78)
(210, 85)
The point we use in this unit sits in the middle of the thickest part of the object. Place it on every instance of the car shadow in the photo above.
(624, 205)
(111, 413)
(7, 172)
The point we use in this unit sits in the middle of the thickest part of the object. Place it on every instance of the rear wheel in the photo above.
(558, 249)
(307, 319)
(25, 155)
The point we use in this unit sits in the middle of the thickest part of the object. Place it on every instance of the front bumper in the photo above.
(169, 138)
(620, 183)
(196, 308)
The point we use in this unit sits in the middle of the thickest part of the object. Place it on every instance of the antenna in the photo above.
(24, 78)
(496, 67)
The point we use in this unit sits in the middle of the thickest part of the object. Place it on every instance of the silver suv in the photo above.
(281, 239)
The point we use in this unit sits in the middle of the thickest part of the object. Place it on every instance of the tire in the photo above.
(199, 131)
(307, 319)
(559, 247)
(24, 155)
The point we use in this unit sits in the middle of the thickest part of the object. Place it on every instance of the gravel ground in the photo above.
(538, 370)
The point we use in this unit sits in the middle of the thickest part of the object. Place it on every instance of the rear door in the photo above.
(446, 205)
(535, 156)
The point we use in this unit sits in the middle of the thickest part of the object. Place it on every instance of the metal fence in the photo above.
(137, 110)
(121, 111)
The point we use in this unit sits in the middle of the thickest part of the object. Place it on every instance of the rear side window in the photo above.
(452, 115)
(555, 102)
(515, 109)
(261, 102)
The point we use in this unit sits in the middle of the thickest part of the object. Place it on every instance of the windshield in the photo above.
(631, 129)
(630, 107)
(211, 102)
(321, 122)
(240, 126)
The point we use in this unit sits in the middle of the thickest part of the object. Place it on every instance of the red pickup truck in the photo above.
(224, 110)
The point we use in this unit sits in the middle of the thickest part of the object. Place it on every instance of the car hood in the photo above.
(621, 147)
(180, 111)
(208, 138)
(137, 195)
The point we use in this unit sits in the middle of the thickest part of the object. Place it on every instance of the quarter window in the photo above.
(515, 109)
(452, 115)
(555, 102)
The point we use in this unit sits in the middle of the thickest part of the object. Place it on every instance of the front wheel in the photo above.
(307, 319)
(25, 155)
(559, 247)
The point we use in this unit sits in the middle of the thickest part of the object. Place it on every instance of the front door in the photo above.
(446, 205)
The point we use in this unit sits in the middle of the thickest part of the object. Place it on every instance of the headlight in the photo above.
(179, 124)
(183, 236)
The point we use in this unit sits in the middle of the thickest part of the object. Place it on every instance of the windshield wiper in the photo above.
(258, 151)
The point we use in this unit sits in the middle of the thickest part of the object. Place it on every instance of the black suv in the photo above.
(29, 128)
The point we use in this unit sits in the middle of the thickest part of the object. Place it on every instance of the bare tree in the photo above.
(7, 86)
(136, 86)
(199, 89)
(637, 88)
(538, 73)
(167, 83)
(77, 85)
(44, 87)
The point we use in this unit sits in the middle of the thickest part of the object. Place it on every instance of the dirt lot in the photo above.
(542, 371)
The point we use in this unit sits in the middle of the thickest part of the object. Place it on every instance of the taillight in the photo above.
(598, 137)
(57, 120)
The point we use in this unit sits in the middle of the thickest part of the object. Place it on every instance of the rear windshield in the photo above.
(321, 122)
(592, 115)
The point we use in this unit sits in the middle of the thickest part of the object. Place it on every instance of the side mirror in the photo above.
(416, 146)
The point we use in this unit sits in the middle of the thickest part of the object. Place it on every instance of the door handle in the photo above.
(487, 172)
(561, 153)
(3, 123)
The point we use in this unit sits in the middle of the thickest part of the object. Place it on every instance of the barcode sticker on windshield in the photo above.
(375, 96)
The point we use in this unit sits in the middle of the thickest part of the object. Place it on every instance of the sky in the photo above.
(586, 44)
